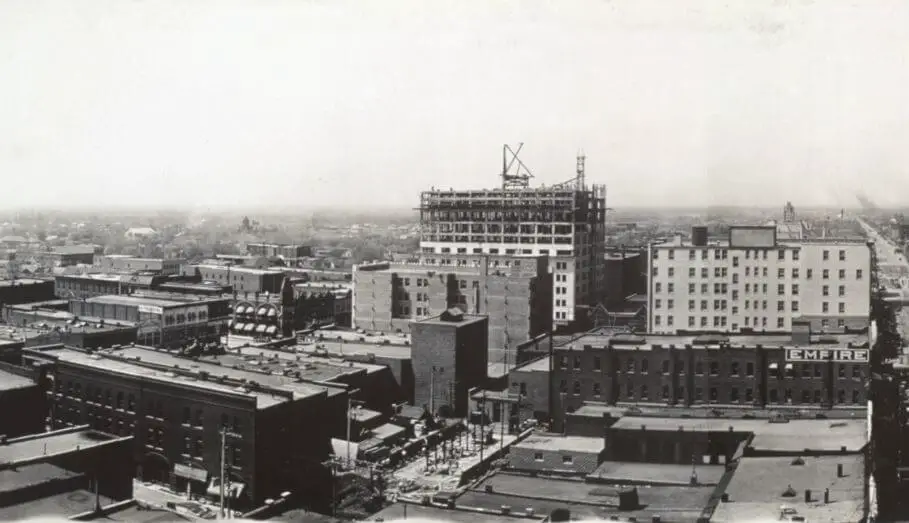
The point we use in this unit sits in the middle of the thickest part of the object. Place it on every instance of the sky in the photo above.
(359, 104)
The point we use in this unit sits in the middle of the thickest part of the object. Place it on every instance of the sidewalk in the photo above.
(158, 495)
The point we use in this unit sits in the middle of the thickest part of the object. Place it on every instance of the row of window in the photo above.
(721, 273)
(714, 368)
(721, 254)
(631, 393)
(722, 305)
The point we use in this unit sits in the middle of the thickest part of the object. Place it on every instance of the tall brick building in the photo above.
(449, 355)
(515, 292)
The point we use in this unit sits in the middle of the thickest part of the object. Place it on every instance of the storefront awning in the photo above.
(241, 309)
(774, 366)
(271, 329)
(261, 311)
(195, 474)
(233, 490)
(261, 328)
(230, 323)
(249, 327)
(272, 313)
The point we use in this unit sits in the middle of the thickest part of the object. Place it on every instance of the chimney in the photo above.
(826, 496)
(807, 495)
(699, 236)
(839, 470)
(801, 333)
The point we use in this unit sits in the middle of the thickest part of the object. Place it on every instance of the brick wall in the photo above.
(553, 460)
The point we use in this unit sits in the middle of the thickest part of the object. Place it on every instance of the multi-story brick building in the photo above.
(515, 292)
(166, 321)
(245, 281)
(449, 355)
(752, 282)
(565, 222)
(322, 303)
(825, 371)
(278, 428)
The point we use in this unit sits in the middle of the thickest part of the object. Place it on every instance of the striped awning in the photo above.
(249, 327)
(239, 326)
(271, 329)
(261, 328)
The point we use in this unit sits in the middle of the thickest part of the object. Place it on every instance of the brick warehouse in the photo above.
(176, 408)
(516, 294)
(757, 370)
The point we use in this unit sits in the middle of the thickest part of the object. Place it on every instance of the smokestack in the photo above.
(826, 496)
(839, 470)
(807, 495)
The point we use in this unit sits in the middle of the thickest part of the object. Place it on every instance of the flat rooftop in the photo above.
(793, 436)
(29, 447)
(397, 512)
(10, 381)
(558, 442)
(757, 486)
(119, 299)
(711, 341)
(21, 282)
(310, 367)
(655, 473)
(586, 501)
(62, 505)
(263, 399)
(348, 348)
(537, 365)
(240, 269)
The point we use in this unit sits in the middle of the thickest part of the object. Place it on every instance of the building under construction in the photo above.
(565, 222)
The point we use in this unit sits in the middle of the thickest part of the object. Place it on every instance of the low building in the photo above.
(69, 473)
(626, 274)
(173, 321)
(557, 454)
(26, 290)
(274, 250)
(201, 288)
(88, 285)
(134, 264)
(23, 406)
(69, 255)
(278, 427)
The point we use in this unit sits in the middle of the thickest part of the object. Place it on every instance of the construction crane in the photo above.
(520, 177)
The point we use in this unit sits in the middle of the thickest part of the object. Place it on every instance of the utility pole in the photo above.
(432, 391)
(349, 416)
(505, 416)
(223, 468)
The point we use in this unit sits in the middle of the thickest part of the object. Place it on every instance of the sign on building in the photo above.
(836, 355)
(150, 309)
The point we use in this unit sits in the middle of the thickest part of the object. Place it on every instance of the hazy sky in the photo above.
(359, 103)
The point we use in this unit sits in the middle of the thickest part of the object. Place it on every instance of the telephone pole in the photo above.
(223, 468)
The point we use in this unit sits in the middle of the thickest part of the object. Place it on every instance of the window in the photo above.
(825, 290)
(842, 308)
(629, 391)
(795, 272)
(577, 388)
(577, 363)
(665, 392)
(855, 396)
(781, 288)
(691, 272)
(629, 366)
(780, 323)
(670, 303)
(691, 288)
(644, 393)
(781, 254)
(825, 307)
(703, 272)
(714, 368)
(596, 389)
(826, 255)
(734, 368)
(808, 273)
(665, 366)
(826, 274)
(858, 274)
(795, 289)
(780, 306)
(842, 274)
(186, 415)
(645, 366)
(567, 459)
(691, 321)
(691, 254)
(671, 270)
(795, 306)
(734, 395)
(749, 369)
(842, 255)
(538, 456)
(842, 290)
(690, 305)
(781, 273)
(749, 394)
(597, 363)
(199, 418)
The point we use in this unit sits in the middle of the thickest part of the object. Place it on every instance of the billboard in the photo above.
(752, 237)
(150, 309)
(836, 355)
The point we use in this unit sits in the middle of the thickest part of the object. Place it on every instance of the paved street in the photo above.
(894, 273)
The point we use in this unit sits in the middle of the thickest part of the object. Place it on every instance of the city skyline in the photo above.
(311, 103)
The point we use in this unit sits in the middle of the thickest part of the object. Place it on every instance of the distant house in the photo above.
(13, 242)
(138, 233)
